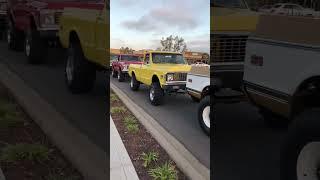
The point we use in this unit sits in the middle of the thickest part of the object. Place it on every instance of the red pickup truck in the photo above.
(121, 65)
(3, 17)
(33, 25)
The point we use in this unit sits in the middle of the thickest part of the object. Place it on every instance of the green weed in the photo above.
(165, 172)
(22, 151)
(117, 110)
(149, 157)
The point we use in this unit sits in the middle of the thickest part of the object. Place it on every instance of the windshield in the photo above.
(113, 57)
(167, 58)
(229, 3)
(129, 58)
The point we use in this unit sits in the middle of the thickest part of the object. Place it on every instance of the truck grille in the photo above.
(228, 48)
(180, 77)
(57, 16)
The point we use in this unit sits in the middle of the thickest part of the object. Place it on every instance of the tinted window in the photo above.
(130, 58)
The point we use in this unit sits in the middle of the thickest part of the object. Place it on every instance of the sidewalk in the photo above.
(121, 167)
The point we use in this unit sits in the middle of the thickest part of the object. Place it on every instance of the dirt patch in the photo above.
(20, 129)
(139, 142)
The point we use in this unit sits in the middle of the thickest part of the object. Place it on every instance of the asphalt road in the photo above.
(87, 111)
(244, 148)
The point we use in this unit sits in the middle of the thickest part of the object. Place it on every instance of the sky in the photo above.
(141, 24)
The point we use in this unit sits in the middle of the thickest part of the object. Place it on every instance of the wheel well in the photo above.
(306, 96)
(155, 78)
(132, 73)
(32, 23)
(73, 37)
(205, 92)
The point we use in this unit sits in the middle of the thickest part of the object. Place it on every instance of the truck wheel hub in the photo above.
(151, 94)
(131, 82)
(308, 163)
(69, 68)
(27, 47)
(9, 36)
(206, 116)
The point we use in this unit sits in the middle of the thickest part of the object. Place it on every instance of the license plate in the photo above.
(175, 87)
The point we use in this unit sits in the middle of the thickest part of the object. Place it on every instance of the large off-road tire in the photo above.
(114, 73)
(80, 74)
(272, 120)
(14, 38)
(120, 76)
(134, 83)
(156, 94)
(205, 115)
(300, 156)
(35, 48)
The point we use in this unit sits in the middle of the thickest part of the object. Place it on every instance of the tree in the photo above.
(174, 44)
(126, 50)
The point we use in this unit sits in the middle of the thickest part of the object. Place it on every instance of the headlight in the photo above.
(170, 77)
(125, 67)
(47, 18)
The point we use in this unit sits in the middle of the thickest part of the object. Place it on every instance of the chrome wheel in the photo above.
(151, 94)
(27, 47)
(308, 163)
(70, 67)
(131, 82)
(9, 38)
(119, 76)
(206, 116)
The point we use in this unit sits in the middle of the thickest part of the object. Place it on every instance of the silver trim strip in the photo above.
(267, 96)
(176, 83)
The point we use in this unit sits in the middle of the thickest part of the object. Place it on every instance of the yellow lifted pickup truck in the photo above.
(163, 72)
(85, 32)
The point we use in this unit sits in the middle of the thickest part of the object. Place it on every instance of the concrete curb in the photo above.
(2, 177)
(121, 166)
(183, 158)
(87, 157)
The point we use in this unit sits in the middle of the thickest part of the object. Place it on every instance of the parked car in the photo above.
(3, 17)
(265, 9)
(198, 87)
(84, 31)
(163, 72)
(282, 79)
(292, 10)
(121, 65)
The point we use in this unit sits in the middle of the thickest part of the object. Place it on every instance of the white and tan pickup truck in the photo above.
(198, 87)
(282, 78)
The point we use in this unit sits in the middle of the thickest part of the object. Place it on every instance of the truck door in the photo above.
(102, 35)
(144, 68)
